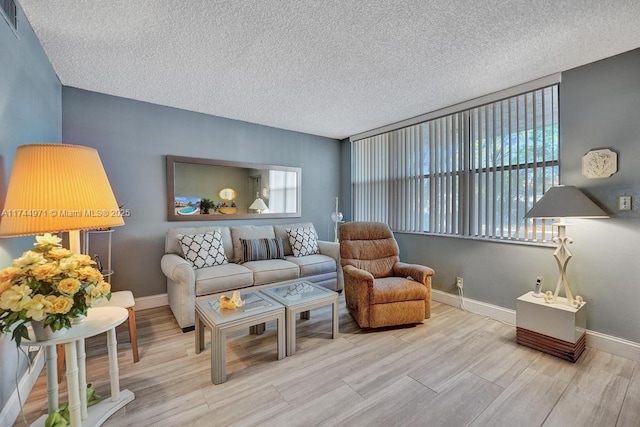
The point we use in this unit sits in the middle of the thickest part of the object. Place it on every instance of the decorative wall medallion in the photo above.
(599, 163)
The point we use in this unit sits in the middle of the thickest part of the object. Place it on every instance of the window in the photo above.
(472, 173)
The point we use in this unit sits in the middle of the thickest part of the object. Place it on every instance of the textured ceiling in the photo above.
(326, 67)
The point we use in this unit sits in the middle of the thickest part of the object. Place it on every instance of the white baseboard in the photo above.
(151, 301)
(596, 340)
(11, 410)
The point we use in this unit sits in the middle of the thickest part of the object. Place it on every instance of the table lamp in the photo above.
(258, 204)
(562, 202)
(55, 188)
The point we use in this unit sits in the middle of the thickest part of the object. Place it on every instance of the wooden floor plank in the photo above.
(456, 368)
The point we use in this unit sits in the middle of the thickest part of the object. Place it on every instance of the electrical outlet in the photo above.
(624, 203)
(459, 282)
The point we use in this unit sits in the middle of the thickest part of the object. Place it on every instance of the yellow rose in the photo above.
(89, 273)
(104, 288)
(68, 264)
(38, 307)
(9, 273)
(69, 286)
(60, 305)
(4, 286)
(47, 240)
(45, 271)
(28, 259)
(59, 253)
(13, 299)
(83, 260)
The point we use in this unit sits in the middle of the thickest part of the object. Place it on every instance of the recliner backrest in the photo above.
(369, 246)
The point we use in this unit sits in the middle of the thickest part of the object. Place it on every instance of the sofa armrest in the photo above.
(417, 272)
(332, 249)
(178, 269)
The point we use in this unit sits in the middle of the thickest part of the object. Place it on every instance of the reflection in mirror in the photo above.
(204, 189)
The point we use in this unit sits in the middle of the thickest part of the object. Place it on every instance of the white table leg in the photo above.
(72, 384)
(52, 377)
(112, 349)
(82, 377)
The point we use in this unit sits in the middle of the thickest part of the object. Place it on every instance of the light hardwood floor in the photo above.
(456, 369)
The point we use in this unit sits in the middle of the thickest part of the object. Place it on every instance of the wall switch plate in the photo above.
(624, 203)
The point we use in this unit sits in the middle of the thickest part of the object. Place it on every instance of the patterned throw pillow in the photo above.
(303, 241)
(261, 249)
(203, 250)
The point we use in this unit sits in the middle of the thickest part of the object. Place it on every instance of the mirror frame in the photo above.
(172, 216)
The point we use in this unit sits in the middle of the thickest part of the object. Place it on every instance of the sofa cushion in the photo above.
(220, 278)
(304, 241)
(261, 249)
(312, 265)
(248, 232)
(281, 231)
(203, 250)
(273, 270)
(172, 244)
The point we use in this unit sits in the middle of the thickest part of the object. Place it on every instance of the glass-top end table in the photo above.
(253, 302)
(300, 297)
(256, 310)
(298, 291)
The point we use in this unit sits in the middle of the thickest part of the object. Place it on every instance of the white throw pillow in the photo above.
(303, 241)
(203, 250)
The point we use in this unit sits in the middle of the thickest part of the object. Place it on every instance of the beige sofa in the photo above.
(186, 283)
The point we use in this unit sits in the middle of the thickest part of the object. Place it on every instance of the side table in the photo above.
(555, 328)
(300, 297)
(97, 321)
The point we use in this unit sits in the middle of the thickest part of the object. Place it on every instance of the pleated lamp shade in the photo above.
(55, 188)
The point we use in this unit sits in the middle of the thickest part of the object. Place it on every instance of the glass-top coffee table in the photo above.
(300, 297)
(257, 309)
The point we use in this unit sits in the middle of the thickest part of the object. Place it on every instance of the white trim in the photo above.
(152, 301)
(595, 340)
(466, 105)
(11, 410)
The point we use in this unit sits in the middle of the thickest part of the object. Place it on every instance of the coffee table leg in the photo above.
(282, 338)
(199, 334)
(306, 315)
(257, 329)
(334, 306)
(291, 331)
(218, 356)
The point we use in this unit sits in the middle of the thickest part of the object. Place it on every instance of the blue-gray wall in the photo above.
(599, 108)
(30, 112)
(133, 137)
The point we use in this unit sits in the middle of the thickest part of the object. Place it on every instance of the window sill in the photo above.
(538, 243)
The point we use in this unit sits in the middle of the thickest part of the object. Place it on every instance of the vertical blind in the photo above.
(472, 173)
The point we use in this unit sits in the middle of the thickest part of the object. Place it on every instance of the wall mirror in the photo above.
(205, 189)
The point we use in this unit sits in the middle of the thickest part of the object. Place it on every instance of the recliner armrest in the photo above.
(358, 274)
(419, 273)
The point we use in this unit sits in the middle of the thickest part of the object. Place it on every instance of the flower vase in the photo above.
(42, 333)
(78, 320)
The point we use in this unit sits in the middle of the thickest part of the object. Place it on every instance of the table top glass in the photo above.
(296, 292)
(254, 303)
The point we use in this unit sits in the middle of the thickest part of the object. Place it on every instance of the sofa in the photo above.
(200, 261)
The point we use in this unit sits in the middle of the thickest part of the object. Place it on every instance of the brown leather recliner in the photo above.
(379, 289)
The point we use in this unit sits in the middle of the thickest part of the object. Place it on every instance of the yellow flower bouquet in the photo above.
(50, 284)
